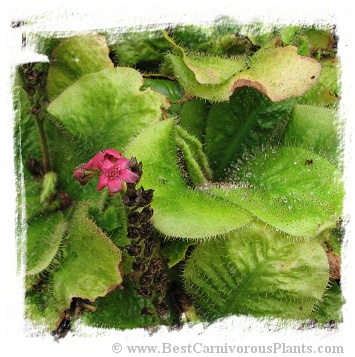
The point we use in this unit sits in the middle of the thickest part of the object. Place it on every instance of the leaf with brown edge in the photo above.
(279, 73)
(74, 57)
(91, 264)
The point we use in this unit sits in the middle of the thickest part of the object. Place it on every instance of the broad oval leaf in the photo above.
(91, 264)
(108, 107)
(179, 211)
(74, 57)
(256, 271)
(292, 189)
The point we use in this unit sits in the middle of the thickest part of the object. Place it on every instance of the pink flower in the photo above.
(113, 168)
(114, 173)
(98, 160)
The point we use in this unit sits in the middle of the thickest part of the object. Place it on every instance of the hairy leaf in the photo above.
(314, 128)
(330, 307)
(121, 309)
(256, 271)
(74, 57)
(241, 126)
(107, 107)
(175, 251)
(193, 118)
(292, 189)
(279, 73)
(91, 266)
(327, 90)
(179, 211)
(44, 235)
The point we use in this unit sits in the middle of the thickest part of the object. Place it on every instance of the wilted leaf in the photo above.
(279, 73)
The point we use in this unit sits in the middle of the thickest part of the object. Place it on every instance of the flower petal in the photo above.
(96, 161)
(103, 181)
(114, 185)
(122, 163)
(106, 165)
(128, 176)
(114, 153)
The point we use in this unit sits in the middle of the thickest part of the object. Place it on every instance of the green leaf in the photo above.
(193, 118)
(292, 189)
(91, 264)
(279, 73)
(194, 157)
(213, 70)
(121, 309)
(44, 235)
(179, 211)
(330, 306)
(74, 57)
(314, 128)
(241, 126)
(327, 90)
(108, 107)
(256, 271)
(49, 186)
(175, 251)
(169, 88)
(111, 219)
(139, 49)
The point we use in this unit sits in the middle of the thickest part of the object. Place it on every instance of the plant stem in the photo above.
(44, 143)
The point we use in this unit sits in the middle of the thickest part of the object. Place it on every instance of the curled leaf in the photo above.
(179, 211)
(279, 73)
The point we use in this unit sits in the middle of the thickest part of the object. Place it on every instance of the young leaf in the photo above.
(256, 271)
(74, 57)
(91, 266)
(49, 186)
(292, 189)
(194, 157)
(44, 234)
(107, 106)
(175, 251)
(179, 211)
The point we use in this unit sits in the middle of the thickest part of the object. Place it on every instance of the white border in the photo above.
(82, 16)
